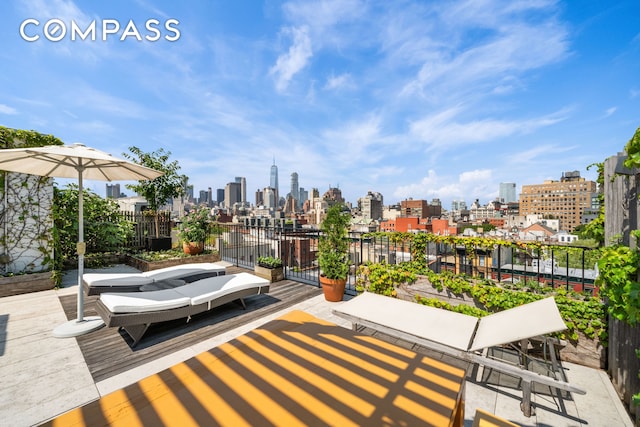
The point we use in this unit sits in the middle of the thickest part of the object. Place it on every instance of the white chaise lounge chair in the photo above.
(97, 283)
(461, 335)
(136, 311)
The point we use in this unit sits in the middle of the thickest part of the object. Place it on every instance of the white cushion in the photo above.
(525, 321)
(139, 279)
(435, 324)
(116, 279)
(143, 302)
(181, 270)
(205, 290)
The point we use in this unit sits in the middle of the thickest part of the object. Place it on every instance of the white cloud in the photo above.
(61, 9)
(474, 184)
(352, 143)
(321, 16)
(539, 152)
(610, 111)
(67, 11)
(296, 58)
(5, 109)
(91, 98)
(443, 130)
(338, 82)
(470, 48)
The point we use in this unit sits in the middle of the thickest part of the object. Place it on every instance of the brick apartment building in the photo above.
(419, 209)
(565, 200)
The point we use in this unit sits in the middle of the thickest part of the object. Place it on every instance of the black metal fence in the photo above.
(243, 245)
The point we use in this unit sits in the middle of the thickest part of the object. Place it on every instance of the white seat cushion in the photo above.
(435, 324)
(526, 321)
(115, 279)
(144, 302)
(182, 270)
(205, 290)
(140, 279)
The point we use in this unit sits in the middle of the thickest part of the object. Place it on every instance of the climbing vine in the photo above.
(581, 313)
(26, 233)
(619, 275)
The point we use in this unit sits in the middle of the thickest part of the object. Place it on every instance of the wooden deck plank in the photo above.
(108, 352)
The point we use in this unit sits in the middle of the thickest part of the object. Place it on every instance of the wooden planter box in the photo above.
(162, 243)
(271, 274)
(25, 283)
(143, 265)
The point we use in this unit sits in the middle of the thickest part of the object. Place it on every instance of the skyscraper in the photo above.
(189, 192)
(269, 198)
(371, 206)
(295, 191)
(243, 188)
(113, 191)
(273, 183)
(203, 198)
(507, 193)
(232, 194)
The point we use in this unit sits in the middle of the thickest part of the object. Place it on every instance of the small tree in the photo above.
(157, 191)
(333, 246)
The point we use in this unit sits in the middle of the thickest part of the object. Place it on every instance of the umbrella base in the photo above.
(73, 328)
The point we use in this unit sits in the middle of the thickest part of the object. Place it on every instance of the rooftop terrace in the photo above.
(43, 376)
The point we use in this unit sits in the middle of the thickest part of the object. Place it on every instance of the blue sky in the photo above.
(418, 99)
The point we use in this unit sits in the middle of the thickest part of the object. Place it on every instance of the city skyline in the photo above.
(420, 100)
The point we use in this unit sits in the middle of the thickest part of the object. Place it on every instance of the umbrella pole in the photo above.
(80, 247)
(81, 325)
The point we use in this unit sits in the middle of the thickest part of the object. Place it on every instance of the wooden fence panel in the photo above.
(144, 226)
(624, 365)
(621, 217)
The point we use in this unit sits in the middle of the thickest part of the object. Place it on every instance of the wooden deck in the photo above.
(108, 351)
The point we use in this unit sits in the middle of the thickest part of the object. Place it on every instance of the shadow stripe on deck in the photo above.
(108, 352)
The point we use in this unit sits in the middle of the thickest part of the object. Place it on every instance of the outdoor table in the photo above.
(295, 370)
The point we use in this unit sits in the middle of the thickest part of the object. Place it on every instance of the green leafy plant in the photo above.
(194, 226)
(460, 308)
(152, 256)
(581, 313)
(382, 278)
(633, 151)
(28, 218)
(333, 244)
(269, 262)
(159, 190)
(618, 268)
(105, 229)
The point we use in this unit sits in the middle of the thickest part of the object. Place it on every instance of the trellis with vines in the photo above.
(582, 313)
(26, 236)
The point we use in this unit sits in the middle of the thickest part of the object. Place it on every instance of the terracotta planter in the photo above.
(192, 248)
(333, 288)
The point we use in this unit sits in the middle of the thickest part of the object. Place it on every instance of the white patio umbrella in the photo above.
(74, 161)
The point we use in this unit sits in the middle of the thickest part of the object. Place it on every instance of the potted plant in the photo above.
(192, 230)
(333, 253)
(157, 191)
(270, 268)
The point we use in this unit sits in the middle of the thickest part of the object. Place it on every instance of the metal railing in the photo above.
(242, 246)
